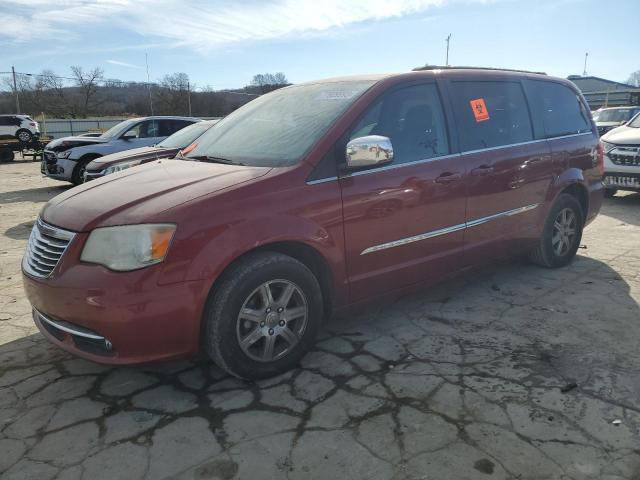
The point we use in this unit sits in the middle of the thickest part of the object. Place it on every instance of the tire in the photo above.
(547, 253)
(6, 155)
(609, 192)
(242, 287)
(77, 177)
(24, 135)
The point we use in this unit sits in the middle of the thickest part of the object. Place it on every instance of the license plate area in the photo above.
(622, 181)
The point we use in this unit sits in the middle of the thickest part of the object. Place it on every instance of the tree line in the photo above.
(86, 93)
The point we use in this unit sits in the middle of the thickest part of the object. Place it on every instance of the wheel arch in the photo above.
(572, 182)
(305, 254)
(578, 191)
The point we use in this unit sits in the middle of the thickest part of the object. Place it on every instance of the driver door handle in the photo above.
(448, 177)
(482, 170)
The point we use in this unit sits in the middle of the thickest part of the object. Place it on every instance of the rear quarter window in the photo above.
(560, 108)
(490, 114)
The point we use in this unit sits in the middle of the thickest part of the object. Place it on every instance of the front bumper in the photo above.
(57, 168)
(116, 317)
(622, 181)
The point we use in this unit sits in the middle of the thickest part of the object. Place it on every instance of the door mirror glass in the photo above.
(369, 151)
(130, 134)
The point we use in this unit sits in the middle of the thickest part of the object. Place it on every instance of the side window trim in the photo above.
(390, 91)
(334, 150)
(583, 108)
(460, 124)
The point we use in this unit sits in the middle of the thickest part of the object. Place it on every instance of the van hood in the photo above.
(65, 143)
(142, 194)
(623, 136)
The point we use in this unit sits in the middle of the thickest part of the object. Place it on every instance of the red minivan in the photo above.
(310, 199)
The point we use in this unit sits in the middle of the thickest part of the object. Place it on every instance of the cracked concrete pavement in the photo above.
(513, 372)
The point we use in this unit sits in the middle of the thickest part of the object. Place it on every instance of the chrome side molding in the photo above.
(447, 230)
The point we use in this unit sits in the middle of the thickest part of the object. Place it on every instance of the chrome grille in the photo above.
(625, 156)
(44, 249)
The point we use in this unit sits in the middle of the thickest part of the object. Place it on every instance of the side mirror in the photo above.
(369, 151)
(130, 134)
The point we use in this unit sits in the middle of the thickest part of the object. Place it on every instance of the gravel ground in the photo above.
(515, 372)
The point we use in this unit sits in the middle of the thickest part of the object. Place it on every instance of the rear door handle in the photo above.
(448, 177)
(482, 170)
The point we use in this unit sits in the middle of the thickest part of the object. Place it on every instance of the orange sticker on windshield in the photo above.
(479, 108)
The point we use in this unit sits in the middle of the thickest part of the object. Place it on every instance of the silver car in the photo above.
(66, 158)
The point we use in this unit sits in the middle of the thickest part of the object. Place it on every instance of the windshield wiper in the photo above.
(212, 159)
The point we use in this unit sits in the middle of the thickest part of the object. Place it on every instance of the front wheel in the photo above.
(77, 177)
(263, 316)
(562, 233)
(25, 136)
(609, 192)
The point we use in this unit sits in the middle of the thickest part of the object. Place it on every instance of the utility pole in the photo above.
(584, 71)
(189, 96)
(146, 59)
(15, 90)
(447, 58)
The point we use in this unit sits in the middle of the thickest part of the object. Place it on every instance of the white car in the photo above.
(22, 127)
(622, 157)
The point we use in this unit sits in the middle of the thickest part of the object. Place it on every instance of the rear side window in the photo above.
(560, 108)
(491, 114)
(412, 118)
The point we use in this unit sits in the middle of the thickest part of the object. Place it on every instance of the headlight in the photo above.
(607, 146)
(120, 166)
(64, 154)
(128, 247)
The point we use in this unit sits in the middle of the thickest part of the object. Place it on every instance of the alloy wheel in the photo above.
(564, 231)
(24, 136)
(272, 320)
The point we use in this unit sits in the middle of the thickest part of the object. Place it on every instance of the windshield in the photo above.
(616, 115)
(185, 137)
(118, 128)
(635, 123)
(278, 128)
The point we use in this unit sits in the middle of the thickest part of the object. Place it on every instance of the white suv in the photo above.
(23, 127)
(622, 157)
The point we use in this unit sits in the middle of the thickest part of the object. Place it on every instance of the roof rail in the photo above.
(442, 67)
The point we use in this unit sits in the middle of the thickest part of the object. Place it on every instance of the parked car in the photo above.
(168, 148)
(306, 201)
(622, 158)
(67, 158)
(22, 127)
(610, 118)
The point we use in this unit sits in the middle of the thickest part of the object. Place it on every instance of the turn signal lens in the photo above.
(160, 240)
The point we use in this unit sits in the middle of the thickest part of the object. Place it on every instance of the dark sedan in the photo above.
(168, 148)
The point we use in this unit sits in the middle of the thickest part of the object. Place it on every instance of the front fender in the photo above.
(97, 149)
(234, 241)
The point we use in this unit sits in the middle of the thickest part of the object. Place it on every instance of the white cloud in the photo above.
(123, 64)
(198, 24)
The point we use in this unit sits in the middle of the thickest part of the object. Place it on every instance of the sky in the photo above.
(223, 43)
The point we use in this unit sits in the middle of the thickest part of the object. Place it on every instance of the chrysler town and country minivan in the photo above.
(308, 200)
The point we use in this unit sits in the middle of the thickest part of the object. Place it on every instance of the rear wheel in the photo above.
(562, 233)
(24, 135)
(263, 316)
